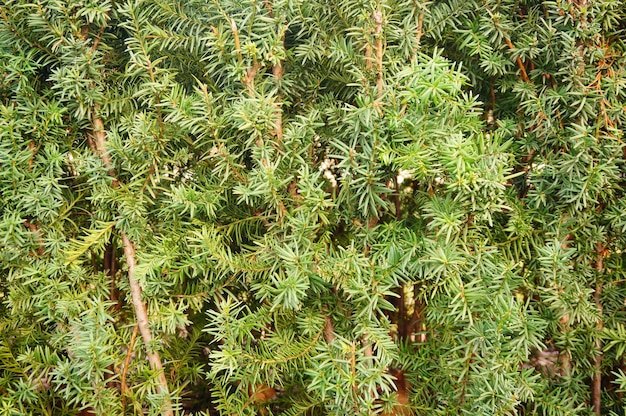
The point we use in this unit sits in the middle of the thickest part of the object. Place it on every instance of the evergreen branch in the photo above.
(281, 360)
(95, 237)
(20, 36)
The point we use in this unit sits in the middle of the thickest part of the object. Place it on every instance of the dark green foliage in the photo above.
(338, 206)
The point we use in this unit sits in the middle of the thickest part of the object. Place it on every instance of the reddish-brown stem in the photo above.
(420, 24)
(596, 392)
(268, 5)
(248, 79)
(96, 41)
(277, 70)
(378, 32)
(98, 138)
(129, 353)
(564, 356)
(329, 330)
(520, 64)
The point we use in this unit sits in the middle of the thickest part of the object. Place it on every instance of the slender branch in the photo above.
(141, 313)
(129, 353)
(378, 32)
(520, 64)
(596, 392)
(98, 138)
(277, 70)
(420, 33)
(144, 324)
(233, 27)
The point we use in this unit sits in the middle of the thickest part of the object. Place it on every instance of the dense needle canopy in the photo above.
(320, 207)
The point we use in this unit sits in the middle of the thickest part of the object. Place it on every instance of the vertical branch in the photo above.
(141, 313)
(596, 392)
(378, 32)
(233, 27)
(277, 71)
(144, 324)
(368, 55)
(129, 353)
(420, 24)
(511, 47)
(98, 138)
(110, 267)
(248, 78)
(564, 357)
(401, 408)
(355, 388)
(420, 33)
(329, 330)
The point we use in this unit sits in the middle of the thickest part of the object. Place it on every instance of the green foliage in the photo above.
(338, 206)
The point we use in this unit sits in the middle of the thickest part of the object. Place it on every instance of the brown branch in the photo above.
(564, 356)
(355, 387)
(596, 392)
(329, 330)
(248, 78)
(368, 56)
(260, 395)
(520, 64)
(233, 27)
(129, 353)
(420, 24)
(144, 324)
(378, 32)
(277, 70)
(268, 5)
(98, 138)
(141, 313)
(401, 408)
(96, 41)
(33, 150)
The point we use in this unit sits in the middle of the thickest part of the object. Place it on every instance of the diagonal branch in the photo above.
(99, 136)
(143, 323)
